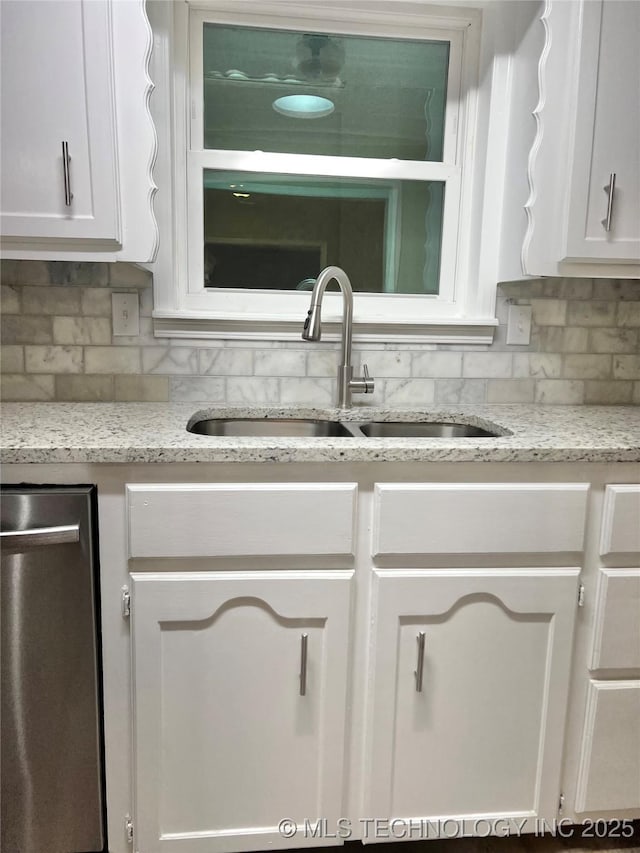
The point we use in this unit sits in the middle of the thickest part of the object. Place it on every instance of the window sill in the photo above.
(442, 331)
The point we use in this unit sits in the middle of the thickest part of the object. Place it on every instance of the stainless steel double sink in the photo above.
(310, 428)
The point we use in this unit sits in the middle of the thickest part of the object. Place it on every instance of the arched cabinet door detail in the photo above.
(469, 671)
(239, 705)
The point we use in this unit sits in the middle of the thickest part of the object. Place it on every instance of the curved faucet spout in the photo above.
(312, 331)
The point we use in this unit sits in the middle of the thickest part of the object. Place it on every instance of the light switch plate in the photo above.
(126, 314)
(519, 325)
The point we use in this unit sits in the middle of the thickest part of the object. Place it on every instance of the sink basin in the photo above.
(426, 429)
(265, 427)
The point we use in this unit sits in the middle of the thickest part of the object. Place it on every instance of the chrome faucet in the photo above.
(347, 385)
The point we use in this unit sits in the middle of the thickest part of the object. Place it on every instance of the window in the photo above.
(301, 141)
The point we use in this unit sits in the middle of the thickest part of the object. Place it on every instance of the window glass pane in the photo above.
(278, 231)
(370, 97)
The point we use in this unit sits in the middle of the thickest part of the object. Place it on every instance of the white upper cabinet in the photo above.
(48, 105)
(604, 221)
(78, 143)
(577, 71)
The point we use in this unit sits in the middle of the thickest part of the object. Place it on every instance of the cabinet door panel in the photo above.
(616, 639)
(620, 532)
(609, 777)
(494, 688)
(57, 85)
(483, 518)
(607, 135)
(226, 745)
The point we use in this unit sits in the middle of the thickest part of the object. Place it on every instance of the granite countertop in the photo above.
(156, 432)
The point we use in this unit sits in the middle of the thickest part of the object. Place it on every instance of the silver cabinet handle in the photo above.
(40, 536)
(303, 664)
(420, 662)
(610, 190)
(66, 160)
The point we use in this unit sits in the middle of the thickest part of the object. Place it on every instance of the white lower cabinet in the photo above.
(606, 752)
(239, 685)
(469, 676)
(609, 777)
(377, 651)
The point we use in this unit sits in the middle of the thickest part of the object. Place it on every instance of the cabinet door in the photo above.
(471, 726)
(57, 86)
(239, 686)
(609, 776)
(607, 136)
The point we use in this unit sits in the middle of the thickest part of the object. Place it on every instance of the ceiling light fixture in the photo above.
(303, 106)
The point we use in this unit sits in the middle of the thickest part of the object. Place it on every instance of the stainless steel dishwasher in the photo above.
(51, 746)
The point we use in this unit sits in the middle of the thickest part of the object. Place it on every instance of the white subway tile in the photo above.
(112, 360)
(253, 390)
(53, 359)
(89, 389)
(440, 365)
(626, 366)
(273, 362)
(561, 392)
(510, 390)
(487, 365)
(591, 313)
(308, 391)
(11, 358)
(81, 330)
(454, 391)
(146, 389)
(549, 312)
(586, 366)
(169, 360)
(51, 300)
(21, 387)
(225, 362)
(608, 393)
(196, 389)
(414, 392)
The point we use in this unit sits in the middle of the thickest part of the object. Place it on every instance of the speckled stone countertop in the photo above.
(156, 432)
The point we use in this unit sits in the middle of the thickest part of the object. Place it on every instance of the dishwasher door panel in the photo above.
(51, 724)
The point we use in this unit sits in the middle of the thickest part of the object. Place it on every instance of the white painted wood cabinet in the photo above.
(576, 70)
(604, 224)
(469, 671)
(239, 705)
(78, 143)
(607, 755)
(524, 694)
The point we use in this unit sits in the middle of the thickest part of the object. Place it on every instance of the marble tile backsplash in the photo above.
(57, 344)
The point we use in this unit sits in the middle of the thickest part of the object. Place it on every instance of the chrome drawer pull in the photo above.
(303, 664)
(420, 664)
(66, 160)
(40, 536)
(610, 189)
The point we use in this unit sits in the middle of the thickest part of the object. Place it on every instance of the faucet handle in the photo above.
(369, 383)
(363, 385)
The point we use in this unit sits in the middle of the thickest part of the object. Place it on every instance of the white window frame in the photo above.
(462, 312)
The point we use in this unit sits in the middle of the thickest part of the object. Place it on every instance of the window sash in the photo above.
(464, 315)
(453, 107)
(230, 303)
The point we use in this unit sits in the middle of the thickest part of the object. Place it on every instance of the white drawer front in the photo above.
(609, 776)
(247, 519)
(616, 642)
(621, 520)
(439, 518)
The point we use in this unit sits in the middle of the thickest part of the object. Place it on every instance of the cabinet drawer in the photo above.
(609, 776)
(248, 519)
(621, 520)
(476, 518)
(616, 641)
